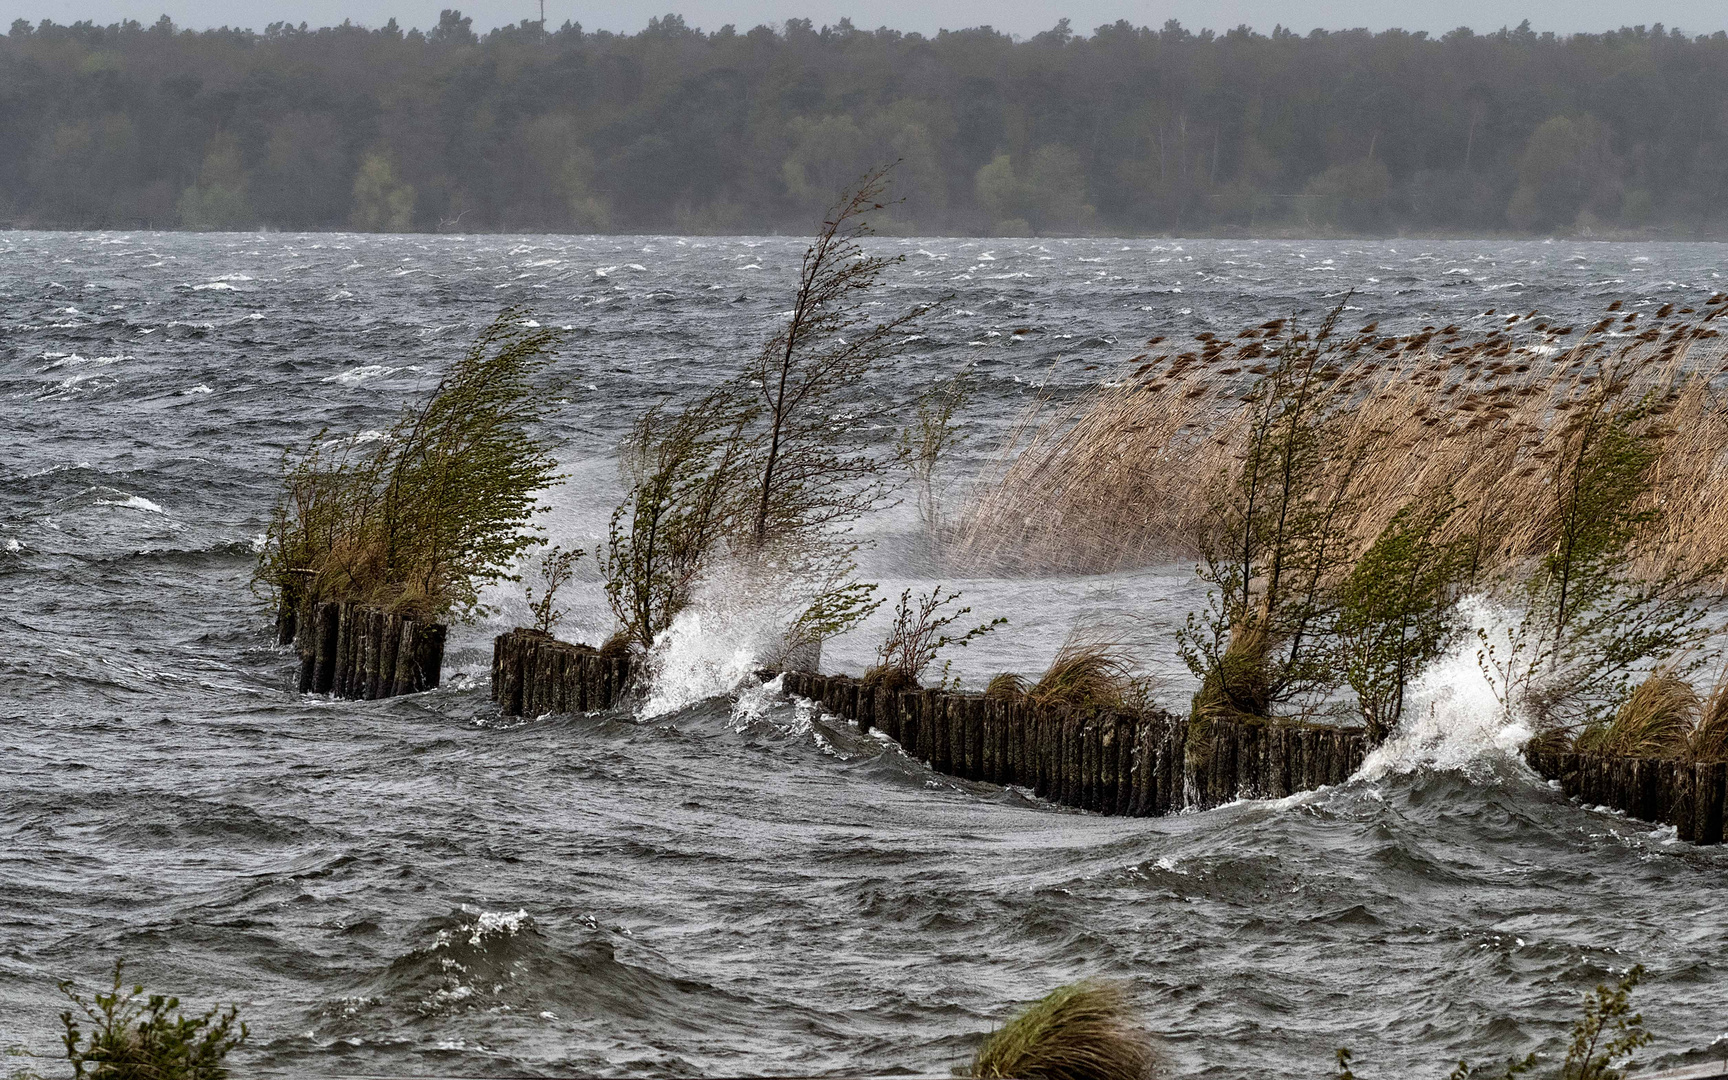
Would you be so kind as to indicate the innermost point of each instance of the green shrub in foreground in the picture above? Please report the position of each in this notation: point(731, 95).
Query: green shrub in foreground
point(136, 1038)
point(1604, 1037)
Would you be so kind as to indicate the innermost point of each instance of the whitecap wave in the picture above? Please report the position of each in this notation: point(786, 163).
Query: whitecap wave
point(134, 502)
point(354, 376)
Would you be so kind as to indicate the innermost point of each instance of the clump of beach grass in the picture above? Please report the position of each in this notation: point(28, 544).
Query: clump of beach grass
point(1006, 686)
point(1091, 672)
point(1656, 720)
point(1084, 675)
point(1709, 740)
point(1083, 1031)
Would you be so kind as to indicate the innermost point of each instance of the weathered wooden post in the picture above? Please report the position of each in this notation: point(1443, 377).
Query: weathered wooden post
point(1710, 793)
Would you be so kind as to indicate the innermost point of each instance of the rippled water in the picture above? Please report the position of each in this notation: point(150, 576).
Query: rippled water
point(416, 886)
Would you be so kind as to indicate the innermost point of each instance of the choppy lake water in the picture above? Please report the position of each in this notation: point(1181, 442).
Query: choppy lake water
point(417, 886)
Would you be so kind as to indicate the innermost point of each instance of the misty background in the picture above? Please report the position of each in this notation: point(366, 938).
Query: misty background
point(1022, 17)
point(1121, 129)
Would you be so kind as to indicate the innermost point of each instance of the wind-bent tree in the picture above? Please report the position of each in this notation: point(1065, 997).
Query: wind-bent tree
point(420, 520)
point(814, 468)
point(1276, 547)
point(685, 475)
point(770, 469)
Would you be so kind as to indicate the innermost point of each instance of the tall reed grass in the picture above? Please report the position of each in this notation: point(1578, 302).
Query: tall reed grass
point(1129, 475)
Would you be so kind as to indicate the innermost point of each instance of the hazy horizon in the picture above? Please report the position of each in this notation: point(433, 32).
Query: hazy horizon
point(1022, 17)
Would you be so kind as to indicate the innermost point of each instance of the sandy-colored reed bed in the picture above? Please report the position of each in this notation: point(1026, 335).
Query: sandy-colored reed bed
point(1132, 475)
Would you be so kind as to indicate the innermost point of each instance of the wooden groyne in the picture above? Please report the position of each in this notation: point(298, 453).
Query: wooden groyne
point(1111, 763)
point(1140, 765)
point(354, 651)
point(535, 673)
point(1688, 795)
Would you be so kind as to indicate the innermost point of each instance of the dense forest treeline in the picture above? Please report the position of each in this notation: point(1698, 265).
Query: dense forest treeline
point(1130, 130)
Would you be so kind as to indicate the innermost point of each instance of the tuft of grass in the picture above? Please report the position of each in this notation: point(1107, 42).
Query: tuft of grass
point(1239, 685)
point(1084, 1031)
point(1710, 736)
point(1657, 720)
point(1087, 675)
point(1006, 687)
point(890, 677)
point(620, 644)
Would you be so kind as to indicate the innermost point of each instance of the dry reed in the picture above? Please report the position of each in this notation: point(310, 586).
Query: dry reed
point(1657, 720)
point(1129, 476)
point(1709, 741)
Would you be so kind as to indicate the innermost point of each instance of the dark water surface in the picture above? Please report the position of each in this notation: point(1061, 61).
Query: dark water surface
point(417, 886)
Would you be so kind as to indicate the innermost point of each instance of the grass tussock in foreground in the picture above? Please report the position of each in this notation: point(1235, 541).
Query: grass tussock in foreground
point(1085, 1031)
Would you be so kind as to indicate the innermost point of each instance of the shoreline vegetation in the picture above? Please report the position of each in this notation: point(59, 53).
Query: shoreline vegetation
point(1346, 495)
point(1088, 1030)
point(1354, 501)
point(1114, 130)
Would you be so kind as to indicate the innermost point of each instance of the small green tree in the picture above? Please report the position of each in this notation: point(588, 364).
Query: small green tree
point(921, 631)
point(1396, 609)
point(927, 441)
point(685, 474)
point(129, 1039)
point(1593, 616)
point(770, 470)
point(811, 463)
point(1277, 546)
point(1607, 1032)
point(422, 518)
point(557, 568)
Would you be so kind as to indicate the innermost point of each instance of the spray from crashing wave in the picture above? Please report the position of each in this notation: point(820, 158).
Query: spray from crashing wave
point(738, 620)
point(1457, 719)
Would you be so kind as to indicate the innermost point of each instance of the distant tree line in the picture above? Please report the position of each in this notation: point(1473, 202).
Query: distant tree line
point(1130, 130)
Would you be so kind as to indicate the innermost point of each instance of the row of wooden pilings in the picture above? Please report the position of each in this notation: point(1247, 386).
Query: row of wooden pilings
point(534, 673)
point(359, 652)
point(1688, 795)
point(1111, 763)
point(1140, 765)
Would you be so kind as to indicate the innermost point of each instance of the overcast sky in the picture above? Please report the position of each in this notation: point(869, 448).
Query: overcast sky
point(1016, 16)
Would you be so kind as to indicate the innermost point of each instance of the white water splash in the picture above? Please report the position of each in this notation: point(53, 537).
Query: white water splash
point(735, 623)
point(1453, 719)
point(755, 699)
